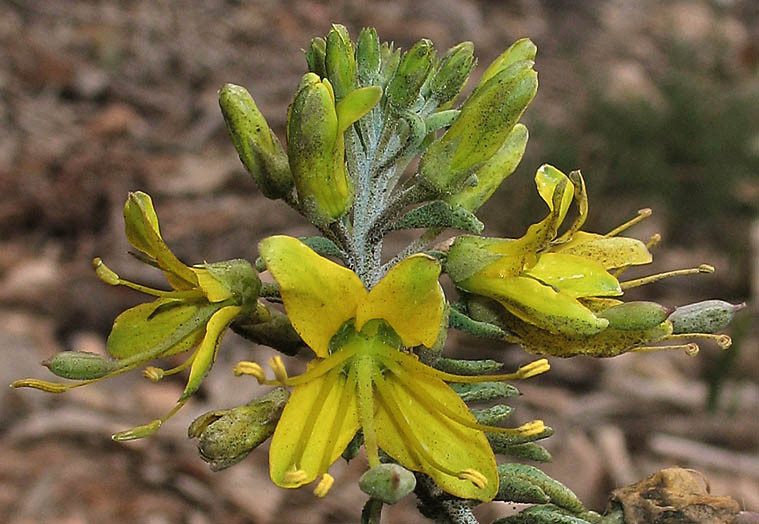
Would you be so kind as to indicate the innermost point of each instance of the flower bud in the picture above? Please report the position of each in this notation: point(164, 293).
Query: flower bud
point(486, 119)
point(226, 437)
point(413, 70)
point(452, 73)
point(80, 365)
point(490, 176)
point(368, 58)
point(707, 316)
point(316, 56)
point(316, 145)
point(237, 276)
point(276, 332)
point(340, 61)
point(258, 147)
point(387, 482)
point(523, 49)
point(389, 58)
point(636, 315)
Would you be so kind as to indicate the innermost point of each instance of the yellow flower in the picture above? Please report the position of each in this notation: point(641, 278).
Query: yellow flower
point(361, 378)
point(542, 277)
point(202, 303)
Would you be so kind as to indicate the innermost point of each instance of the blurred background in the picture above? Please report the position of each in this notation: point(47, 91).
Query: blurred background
point(656, 101)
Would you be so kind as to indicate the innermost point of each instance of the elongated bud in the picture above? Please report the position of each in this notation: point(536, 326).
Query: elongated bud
point(277, 332)
point(452, 73)
point(523, 49)
point(226, 437)
point(637, 315)
point(340, 61)
point(486, 119)
point(707, 316)
point(258, 147)
point(497, 169)
point(387, 482)
point(413, 70)
point(316, 56)
point(368, 58)
point(80, 365)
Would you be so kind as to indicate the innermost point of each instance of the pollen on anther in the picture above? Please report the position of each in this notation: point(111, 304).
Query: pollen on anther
point(475, 477)
point(295, 477)
point(279, 369)
point(325, 484)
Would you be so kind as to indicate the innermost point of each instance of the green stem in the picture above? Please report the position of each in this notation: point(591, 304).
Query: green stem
point(372, 512)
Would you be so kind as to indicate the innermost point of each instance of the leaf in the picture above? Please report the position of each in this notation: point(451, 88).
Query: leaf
point(439, 214)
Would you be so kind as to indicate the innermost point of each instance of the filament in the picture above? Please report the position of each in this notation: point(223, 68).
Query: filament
point(629, 284)
point(642, 214)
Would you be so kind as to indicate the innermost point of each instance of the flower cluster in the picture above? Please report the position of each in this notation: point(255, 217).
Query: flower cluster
point(376, 327)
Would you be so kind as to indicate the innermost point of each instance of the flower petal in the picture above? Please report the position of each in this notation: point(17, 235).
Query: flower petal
point(410, 299)
point(319, 295)
point(209, 347)
point(302, 437)
point(159, 328)
point(434, 440)
point(610, 252)
point(214, 289)
point(574, 276)
point(141, 225)
point(540, 305)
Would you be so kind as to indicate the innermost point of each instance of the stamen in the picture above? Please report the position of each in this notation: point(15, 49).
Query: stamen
point(691, 349)
point(324, 485)
point(42, 385)
point(155, 374)
point(247, 367)
point(279, 369)
point(111, 278)
point(703, 268)
point(322, 366)
point(534, 368)
point(642, 214)
point(434, 405)
point(723, 341)
point(475, 477)
point(296, 477)
point(149, 428)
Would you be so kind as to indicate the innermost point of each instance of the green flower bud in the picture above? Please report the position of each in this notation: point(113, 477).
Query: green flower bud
point(277, 332)
point(387, 482)
point(490, 176)
point(486, 119)
point(258, 147)
point(368, 59)
point(523, 49)
point(80, 365)
point(707, 316)
point(636, 315)
point(316, 56)
point(316, 145)
point(226, 437)
point(484, 391)
point(452, 73)
point(340, 61)
point(412, 73)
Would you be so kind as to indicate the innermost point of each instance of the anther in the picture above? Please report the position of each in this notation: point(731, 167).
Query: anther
point(475, 477)
point(295, 477)
point(531, 428)
point(724, 341)
point(246, 367)
point(534, 368)
point(279, 369)
point(324, 485)
point(153, 373)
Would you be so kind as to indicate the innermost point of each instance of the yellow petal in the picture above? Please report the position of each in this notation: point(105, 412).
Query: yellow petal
point(214, 289)
point(302, 438)
point(539, 304)
point(555, 189)
point(319, 295)
point(431, 442)
point(574, 276)
point(611, 252)
point(141, 225)
point(209, 347)
point(410, 299)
